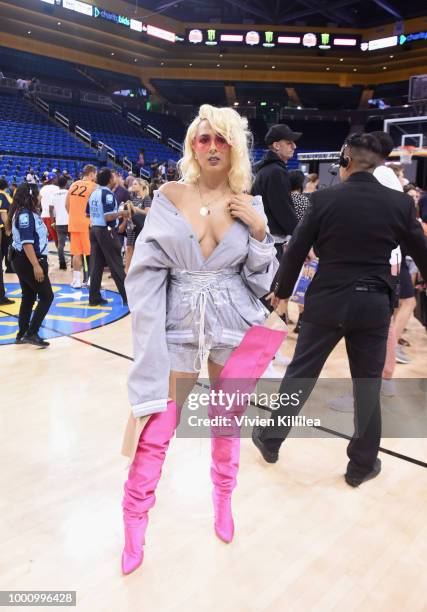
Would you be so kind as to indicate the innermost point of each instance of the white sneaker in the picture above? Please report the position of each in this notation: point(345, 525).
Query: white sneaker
point(76, 284)
point(401, 356)
point(388, 387)
point(344, 403)
point(281, 360)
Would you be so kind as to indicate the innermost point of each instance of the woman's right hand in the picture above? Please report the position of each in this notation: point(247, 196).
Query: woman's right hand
point(38, 273)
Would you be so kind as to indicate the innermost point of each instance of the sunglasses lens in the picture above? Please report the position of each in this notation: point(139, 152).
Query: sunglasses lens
point(204, 143)
point(221, 143)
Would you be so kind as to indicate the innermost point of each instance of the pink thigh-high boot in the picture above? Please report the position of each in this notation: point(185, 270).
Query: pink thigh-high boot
point(224, 468)
point(144, 474)
point(240, 374)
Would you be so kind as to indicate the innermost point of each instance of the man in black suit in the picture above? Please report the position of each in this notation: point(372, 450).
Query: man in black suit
point(353, 226)
point(273, 184)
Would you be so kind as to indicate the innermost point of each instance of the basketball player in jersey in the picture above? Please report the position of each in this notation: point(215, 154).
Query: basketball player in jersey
point(78, 223)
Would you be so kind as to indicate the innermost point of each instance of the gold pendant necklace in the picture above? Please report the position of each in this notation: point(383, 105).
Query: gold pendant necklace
point(205, 210)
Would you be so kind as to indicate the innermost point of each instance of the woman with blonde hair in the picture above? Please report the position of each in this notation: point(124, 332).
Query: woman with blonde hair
point(202, 262)
point(139, 206)
point(312, 183)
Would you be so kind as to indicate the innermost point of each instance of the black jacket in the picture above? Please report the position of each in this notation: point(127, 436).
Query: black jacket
point(272, 183)
point(354, 226)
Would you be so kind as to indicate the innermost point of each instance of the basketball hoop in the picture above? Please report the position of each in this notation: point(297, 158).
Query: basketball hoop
point(406, 154)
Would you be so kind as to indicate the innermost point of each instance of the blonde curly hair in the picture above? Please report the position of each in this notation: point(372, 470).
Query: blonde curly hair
point(230, 125)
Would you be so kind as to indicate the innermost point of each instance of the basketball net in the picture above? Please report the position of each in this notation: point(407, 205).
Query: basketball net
point(406, 154)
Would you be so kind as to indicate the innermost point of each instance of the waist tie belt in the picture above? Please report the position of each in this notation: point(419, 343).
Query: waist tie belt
point(200, 285)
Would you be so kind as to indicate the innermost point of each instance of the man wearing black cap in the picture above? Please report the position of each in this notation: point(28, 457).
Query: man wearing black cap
point(354, 226)
point(272, 183)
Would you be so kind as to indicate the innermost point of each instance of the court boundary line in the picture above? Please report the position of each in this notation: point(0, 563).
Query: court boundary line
point(82, 331)
point(337, 434)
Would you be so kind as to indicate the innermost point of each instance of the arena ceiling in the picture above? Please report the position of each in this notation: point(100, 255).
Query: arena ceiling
point(170, 70)
point(344, 13)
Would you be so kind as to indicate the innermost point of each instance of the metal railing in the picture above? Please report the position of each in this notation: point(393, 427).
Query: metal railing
point(116, 107)
point(81, 133)
point(94, 98)
point(62, 119)
point(8, 83)
point(143, 173)
point(153, 131)
point(42, 104)
point(321, 155)
point(110, 151)
point(175, 145)
point(134, 119)
point(127, 164)
point(55, 92)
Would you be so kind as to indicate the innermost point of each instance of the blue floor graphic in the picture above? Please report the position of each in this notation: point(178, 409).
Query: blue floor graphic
point(70, 312)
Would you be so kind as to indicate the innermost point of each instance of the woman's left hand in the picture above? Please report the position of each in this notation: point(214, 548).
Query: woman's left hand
point(240, 207)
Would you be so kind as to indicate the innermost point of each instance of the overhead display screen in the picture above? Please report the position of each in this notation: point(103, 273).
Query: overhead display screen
point(270, 38)
point(212, 37)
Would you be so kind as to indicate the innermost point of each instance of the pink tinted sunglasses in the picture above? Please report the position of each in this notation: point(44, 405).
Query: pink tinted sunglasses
point(204, 142)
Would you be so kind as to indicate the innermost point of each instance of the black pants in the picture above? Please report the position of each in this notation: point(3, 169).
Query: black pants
point(2, 240)
point(32, 291)
point(105, 251)
point(62, 232)
point(6, 241)
point(365, 331)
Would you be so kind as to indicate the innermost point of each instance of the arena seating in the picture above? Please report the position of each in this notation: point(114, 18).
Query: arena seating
point(168, 125)
point(115, 131)
point(15, 169)
point(24, 130)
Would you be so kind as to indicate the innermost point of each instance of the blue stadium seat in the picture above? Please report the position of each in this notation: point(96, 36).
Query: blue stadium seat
point(125, 138)
point(25, 130)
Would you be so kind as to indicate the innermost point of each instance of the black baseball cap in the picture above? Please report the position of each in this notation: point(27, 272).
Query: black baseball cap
point(281, 131)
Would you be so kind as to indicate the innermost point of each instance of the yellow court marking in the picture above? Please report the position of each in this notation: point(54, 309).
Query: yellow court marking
point(94, 317)
point(8, 336)
point(82, 303)
point(12, 309)
point(14, 292)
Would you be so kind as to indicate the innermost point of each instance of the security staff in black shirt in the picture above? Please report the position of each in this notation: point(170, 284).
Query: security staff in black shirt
point(105, 246)
point(272, 183)
point(5, 202)
point(29, 259)
point(354, 226)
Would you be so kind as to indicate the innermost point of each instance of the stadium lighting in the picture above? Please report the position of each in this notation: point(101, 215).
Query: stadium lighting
point(382, 43)
point(78, 7)
point(289, 40)
point(136, 25)
point(160, 33)
point(231, 38)
point(345, 42)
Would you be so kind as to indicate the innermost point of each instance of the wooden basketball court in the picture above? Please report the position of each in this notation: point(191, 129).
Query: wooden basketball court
point(304, 539)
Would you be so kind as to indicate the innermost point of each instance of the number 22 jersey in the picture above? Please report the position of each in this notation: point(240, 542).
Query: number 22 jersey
point(79, 196)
